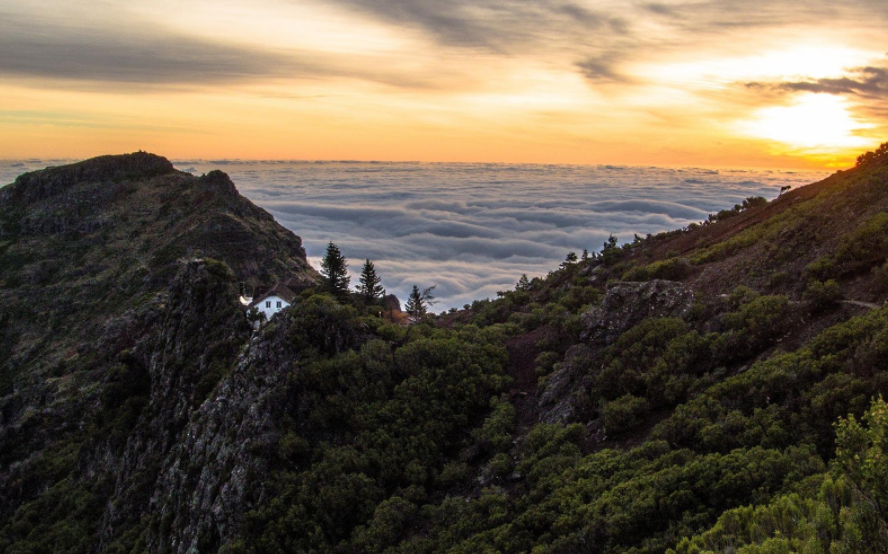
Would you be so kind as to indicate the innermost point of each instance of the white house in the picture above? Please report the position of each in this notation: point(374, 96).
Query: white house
point(274, 300)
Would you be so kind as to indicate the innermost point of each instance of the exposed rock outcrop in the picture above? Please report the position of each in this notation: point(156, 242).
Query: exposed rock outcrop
point(625, 304)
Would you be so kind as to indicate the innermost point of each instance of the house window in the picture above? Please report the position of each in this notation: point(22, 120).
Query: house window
point(279, 304)
point(268, 304)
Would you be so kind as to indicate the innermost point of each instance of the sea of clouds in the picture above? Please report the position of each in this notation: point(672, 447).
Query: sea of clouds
point(473, 229)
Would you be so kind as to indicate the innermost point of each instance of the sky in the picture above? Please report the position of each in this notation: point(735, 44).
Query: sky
point(714, 83)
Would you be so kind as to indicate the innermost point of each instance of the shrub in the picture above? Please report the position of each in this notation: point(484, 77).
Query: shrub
point(868, 243)
point(673, 269)
point(624, 413)
point(823, 295)
point(821, 268)
point(881, 275)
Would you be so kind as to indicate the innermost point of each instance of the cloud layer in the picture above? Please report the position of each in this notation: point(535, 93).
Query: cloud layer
point(473, 229)
point(113, 41)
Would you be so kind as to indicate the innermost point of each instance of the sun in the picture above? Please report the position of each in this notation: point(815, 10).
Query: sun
point(814, 123)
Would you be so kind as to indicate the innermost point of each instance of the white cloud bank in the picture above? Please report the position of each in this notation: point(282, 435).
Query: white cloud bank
point(473, 229)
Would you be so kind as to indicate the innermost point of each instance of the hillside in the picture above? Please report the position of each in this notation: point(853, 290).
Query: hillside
point(701, 390)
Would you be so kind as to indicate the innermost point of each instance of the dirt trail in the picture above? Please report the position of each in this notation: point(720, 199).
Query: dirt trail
point(869, 305)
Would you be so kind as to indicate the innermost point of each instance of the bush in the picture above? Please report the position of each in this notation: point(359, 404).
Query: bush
point(823, 295)
point(866, 244)
point(624, 414)
point(673, 269)
point(821, 268)
point(881, 275)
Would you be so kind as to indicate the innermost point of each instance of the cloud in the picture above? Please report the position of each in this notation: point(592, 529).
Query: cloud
point(871, 82)
point(108, 42)
point(474, 232)
point(494, 25)
point(602, 68)
point(145, 55)
point(866, 87)
point(135, 54)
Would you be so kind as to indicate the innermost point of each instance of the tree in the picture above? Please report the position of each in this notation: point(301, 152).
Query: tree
point(523, 283)
point(585, 256)
point(335, 270)
point(418, 302)
point(570, 259)
point(370, 288)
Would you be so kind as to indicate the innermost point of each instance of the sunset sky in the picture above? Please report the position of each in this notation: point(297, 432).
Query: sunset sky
point(780, 84)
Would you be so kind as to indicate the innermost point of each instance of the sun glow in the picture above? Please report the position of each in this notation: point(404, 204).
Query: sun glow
point(814, 122)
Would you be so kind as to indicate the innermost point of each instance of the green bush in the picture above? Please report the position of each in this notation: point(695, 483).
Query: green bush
point(823, 295)
point(866, 244)
point(820, 269)
point(624, 414)
point(881, 275)
point(673, 269)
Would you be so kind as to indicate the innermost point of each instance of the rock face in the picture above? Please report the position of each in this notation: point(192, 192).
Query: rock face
point(193, 340)
point(128, 376)
point(625, 305)
point(214, 475)
point(194, 461)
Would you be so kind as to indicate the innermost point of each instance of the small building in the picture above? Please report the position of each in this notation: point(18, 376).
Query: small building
point(271, 302)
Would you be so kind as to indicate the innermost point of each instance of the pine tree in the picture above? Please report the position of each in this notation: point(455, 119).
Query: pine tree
point(335, 270)
point(414, 305)
point(523, 282)
point(370, 288)
point(570, 259)
point(418, 302)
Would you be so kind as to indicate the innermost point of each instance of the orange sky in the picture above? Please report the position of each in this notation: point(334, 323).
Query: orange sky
point(678, 83)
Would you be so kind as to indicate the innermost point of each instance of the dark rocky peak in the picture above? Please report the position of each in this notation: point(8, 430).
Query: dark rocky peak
point(39, 185)
point(218, 181)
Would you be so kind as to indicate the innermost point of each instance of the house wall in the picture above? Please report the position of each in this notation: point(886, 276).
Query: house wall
point(272, 305)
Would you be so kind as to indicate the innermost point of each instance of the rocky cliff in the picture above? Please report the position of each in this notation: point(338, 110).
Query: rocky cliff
point(122, 339)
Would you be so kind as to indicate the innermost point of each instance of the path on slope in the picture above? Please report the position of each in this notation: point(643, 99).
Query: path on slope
point(869, 305)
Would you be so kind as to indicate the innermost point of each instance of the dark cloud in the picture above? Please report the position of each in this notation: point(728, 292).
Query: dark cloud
point(143, 55)
point(134, 53)
point(496, 25)
point(865, 81)
point(868, 86)
point(602, 68)
point(660, 9)
point(108, 44)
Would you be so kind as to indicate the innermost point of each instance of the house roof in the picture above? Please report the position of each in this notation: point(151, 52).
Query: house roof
point(280, 290)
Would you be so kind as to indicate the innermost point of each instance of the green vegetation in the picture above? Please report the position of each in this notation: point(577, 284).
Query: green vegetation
point(551, 419)
point(379, 458)
point(418, 302)
point(374, 429)
point(334, 268)
point(370, 289)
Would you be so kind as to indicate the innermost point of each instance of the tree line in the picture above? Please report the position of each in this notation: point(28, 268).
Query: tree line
point(334, 269)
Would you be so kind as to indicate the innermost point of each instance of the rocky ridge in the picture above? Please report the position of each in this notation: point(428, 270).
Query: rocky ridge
point(102, 386)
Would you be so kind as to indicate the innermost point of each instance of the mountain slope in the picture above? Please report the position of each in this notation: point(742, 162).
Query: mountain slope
point(677, 393)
